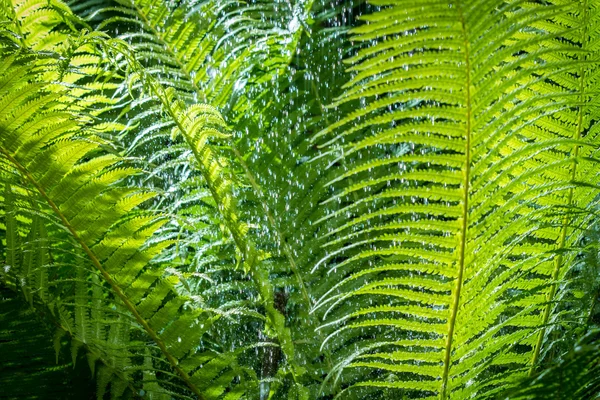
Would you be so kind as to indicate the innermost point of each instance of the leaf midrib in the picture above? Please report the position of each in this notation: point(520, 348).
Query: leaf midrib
point(465, 213)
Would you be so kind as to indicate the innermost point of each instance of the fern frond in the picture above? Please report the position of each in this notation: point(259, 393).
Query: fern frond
point(410, 239)
point(199, 124)
point(95, 209)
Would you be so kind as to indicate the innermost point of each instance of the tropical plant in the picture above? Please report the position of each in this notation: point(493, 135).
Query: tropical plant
point(299, 199)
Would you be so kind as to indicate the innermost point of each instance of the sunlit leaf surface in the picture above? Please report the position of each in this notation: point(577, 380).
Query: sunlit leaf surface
point(299, 199)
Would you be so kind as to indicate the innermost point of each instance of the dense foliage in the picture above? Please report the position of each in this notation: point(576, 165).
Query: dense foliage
point(299, 199)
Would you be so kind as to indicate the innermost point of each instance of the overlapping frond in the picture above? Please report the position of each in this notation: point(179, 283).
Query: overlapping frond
point(578, 122)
